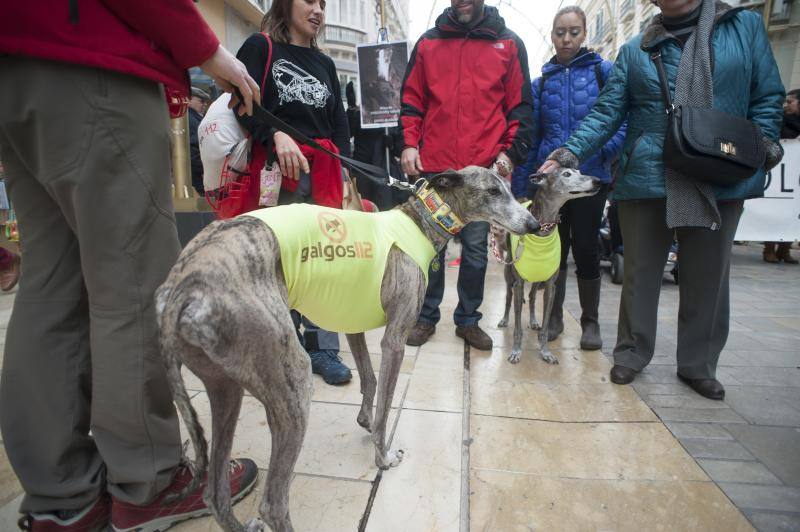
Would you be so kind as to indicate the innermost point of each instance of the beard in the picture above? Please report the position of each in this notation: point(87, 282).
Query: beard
point(477, 12)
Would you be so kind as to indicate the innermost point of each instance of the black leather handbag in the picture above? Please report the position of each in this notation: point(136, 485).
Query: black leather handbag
point(707, 144)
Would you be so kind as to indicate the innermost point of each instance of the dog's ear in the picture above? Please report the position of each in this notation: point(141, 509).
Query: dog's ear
point(538, 179)
point(447, 179)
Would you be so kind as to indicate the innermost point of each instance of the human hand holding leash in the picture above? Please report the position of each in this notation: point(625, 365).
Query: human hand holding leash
point(290, 158)
point(411, 161)
point(230, 73)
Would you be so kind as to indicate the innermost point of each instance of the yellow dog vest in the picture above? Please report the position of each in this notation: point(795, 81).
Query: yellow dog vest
point(541, 256)
point(334, 260)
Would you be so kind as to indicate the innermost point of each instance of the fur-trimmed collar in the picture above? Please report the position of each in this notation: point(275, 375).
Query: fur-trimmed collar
point(655, 33)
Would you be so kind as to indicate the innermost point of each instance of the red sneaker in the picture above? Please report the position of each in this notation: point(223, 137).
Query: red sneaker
point(159, 517)
point(10, 276)
point(93, 518)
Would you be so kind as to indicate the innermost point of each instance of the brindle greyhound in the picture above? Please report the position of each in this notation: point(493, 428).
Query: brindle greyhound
point(223, 312)
point(555, 189)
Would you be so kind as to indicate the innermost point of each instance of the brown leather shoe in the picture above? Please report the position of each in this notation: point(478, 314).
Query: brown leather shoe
point(710, 388)
point(475, 337)
point(420, 333)
point(769, 253)
point(10, 276)
point(784, 254)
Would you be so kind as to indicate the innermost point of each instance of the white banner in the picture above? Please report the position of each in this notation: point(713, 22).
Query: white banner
point(776, 216)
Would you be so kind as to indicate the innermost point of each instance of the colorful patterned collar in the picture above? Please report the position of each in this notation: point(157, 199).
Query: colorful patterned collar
point(436, 211)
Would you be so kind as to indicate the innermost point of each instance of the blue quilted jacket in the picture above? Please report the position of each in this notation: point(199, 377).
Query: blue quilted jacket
point(746, 84)
point(567, 97)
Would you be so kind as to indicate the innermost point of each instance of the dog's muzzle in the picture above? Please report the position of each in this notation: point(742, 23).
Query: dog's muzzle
point(532, 225)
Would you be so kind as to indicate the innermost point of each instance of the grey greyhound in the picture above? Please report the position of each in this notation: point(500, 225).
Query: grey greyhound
point(554, 189)
point(224, 312)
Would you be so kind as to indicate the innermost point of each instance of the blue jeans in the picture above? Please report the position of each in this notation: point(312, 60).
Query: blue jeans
point(471, 276)
point(313, 338)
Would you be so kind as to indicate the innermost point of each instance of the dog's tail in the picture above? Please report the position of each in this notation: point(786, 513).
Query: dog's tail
point(169, 313)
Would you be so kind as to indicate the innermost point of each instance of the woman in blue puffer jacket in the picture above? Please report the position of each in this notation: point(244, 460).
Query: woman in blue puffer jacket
point(562, 97)
point(736, 73)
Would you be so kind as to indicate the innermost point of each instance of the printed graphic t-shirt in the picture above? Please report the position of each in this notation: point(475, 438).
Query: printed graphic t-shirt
point(302, 89)
point(333, 261)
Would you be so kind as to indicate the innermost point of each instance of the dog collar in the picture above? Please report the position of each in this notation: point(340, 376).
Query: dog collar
point(437, 212)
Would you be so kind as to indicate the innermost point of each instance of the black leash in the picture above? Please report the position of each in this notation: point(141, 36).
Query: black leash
point(375, 174)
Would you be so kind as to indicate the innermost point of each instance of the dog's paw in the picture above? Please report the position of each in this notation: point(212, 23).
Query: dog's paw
point(535, 325)
point(255, 525)
point(365, 420)
point(502, 323)
point(515, 356)
point(549, 357)
point(392, 459)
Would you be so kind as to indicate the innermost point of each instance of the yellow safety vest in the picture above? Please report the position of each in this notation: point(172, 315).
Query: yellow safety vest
point(541, 256)
point(334, 260)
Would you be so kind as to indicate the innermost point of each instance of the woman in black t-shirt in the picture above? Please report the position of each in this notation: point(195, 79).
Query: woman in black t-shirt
point(300, 86)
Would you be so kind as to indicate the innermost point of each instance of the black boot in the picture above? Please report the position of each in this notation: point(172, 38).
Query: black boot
point(556, 324)
point(589, 295)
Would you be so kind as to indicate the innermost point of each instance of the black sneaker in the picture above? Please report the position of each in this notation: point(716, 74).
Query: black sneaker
point(328, 364)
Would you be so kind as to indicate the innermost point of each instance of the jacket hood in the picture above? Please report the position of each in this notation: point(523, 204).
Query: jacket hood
point(655, 33)
point(490, 26)
point(584, 57)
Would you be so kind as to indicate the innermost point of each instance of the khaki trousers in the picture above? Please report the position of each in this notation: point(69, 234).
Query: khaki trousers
point(84, 401)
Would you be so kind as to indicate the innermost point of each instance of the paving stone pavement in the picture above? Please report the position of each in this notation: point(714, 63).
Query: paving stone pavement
point(492, 446)
point(750, 443)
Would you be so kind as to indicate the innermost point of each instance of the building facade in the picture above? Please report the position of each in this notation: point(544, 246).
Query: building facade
point(348, 23)
point(611, 23)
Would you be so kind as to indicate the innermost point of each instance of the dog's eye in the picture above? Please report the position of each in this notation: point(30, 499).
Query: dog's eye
point(494, 191)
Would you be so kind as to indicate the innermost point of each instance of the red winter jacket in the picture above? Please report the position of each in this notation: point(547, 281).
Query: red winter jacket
point(466, 94)
point(152, 39)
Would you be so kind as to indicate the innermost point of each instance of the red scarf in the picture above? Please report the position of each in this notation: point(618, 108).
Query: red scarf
point(326, 175)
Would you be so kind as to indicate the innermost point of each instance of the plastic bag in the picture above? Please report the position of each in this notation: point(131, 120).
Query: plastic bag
point(221, 140)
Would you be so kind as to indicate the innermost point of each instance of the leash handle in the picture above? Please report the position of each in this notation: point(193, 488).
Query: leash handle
point(371, 172)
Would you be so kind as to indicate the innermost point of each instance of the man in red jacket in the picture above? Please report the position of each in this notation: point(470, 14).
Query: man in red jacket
point(85, 409)
point(466, 101)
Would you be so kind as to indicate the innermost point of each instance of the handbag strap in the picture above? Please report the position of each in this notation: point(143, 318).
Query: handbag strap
point(662, 81)
point(269, 61)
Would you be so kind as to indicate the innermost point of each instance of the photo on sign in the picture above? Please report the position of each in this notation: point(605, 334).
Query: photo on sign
point(381, 68)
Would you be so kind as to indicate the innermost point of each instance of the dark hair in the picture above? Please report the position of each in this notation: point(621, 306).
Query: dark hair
point(571, 9)
point(276, 22)
point(794, 93)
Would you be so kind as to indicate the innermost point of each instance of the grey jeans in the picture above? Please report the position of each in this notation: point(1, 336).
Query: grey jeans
point(704, 310)
point(84, 401)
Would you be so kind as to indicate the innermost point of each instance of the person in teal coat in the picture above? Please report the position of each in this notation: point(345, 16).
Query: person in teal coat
point(744, 82)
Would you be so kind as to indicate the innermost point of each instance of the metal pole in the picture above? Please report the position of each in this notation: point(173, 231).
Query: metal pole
point(383, 35)
point(767, 12)
point(181, 169)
